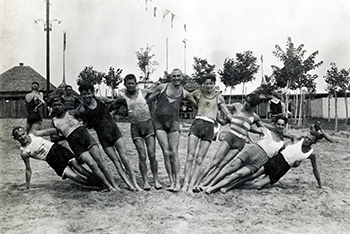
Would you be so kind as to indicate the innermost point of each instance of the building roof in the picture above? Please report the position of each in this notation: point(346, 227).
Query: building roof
point(20, 78)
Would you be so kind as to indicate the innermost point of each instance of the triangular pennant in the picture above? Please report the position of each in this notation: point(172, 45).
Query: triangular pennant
point(172, 19)
point(166, 12)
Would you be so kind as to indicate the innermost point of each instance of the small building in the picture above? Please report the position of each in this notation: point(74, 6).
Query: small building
point(15, 83)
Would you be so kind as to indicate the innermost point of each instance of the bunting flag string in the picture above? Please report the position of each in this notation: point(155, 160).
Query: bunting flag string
point(157, 7)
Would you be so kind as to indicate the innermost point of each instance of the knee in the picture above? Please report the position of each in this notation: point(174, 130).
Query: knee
point(142, 157)
point(190, 157)
point(199, 160)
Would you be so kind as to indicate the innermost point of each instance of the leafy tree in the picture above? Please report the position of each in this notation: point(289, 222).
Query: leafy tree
point(239, 70)
point(90, 76)
point(294, 73)
point(201, 69)
point(336, 81)
point(145, 62)
point(113, 78)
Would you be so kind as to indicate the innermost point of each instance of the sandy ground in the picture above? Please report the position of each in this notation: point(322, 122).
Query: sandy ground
point(293, 205)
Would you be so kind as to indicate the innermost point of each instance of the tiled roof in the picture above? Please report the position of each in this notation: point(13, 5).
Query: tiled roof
point(20, 78)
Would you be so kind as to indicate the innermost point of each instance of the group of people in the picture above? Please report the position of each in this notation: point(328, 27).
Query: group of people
point(234, 163)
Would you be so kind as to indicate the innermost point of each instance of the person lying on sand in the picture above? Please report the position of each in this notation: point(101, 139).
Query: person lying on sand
point(279, 165)
point(60, 159)
point(317, 130)
point(81, 142)
point(252, 157)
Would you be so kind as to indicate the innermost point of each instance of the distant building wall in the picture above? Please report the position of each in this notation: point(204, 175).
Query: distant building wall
point(319, 108)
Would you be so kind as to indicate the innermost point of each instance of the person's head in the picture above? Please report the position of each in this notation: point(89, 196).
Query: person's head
point(69, 90)
point(130, 83)
point(176, 76)
point(35, 85)
point(209, 82)
point(87, 92)
point(275, 95)
point(20, 135)
point(280, 123)
point(309, 140)
point(57, 105)
point(251, 101)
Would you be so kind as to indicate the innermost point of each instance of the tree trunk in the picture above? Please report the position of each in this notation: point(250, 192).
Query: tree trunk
point(329, 107)
point(336, 111)
point(230, 95)
point(287, 97)
point(243, 91)
point(346, 106)
point(300, 108)
point(296, 106)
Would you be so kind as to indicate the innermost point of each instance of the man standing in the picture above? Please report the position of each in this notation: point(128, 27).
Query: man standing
point(141, 127)
point(71, 101)
point(202, 129)
point(33, 101)
point(167, 124)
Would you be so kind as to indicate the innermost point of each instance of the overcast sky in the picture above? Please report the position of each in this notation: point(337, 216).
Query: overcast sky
point(105, 33)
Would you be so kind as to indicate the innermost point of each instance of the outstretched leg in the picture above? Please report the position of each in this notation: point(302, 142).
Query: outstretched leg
point(202, 151)
point(110, 151)
point(174, 140)
point(96, 154)
point(228, 169)
point(140, 147)
point(191, 153)
point(230, 180)
point(227, 158)
point(220, 154)
point(88, 159)
point(71, 174)
point(121, 148)
point(162, 137)
point(151, 151)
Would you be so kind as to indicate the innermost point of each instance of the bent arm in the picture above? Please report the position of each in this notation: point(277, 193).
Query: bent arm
point(40, 98)
point(154, 95)
point(120, 101)
point(28, 172)
point(312, 157)
point(46, 132)
point(224, 108)
point(191, 99)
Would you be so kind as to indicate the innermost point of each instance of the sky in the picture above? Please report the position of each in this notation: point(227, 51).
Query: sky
point(104, 33)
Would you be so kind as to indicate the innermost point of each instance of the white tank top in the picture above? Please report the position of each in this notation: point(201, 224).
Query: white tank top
point(138, 110)
point(293, 153)
point(268, 144)
point(67, 124)
point(38, 148)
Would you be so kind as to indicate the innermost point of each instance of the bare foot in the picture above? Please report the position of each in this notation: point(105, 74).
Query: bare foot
point(177, 188)
point(131, 188)
point(146, 187)
point(196, 189)
point(184, 188)
point(223, 190)
point(170, 188)
point(157, 185)
point(208, 191)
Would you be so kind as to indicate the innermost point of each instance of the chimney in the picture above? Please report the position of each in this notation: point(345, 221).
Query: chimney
point(21, 64)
